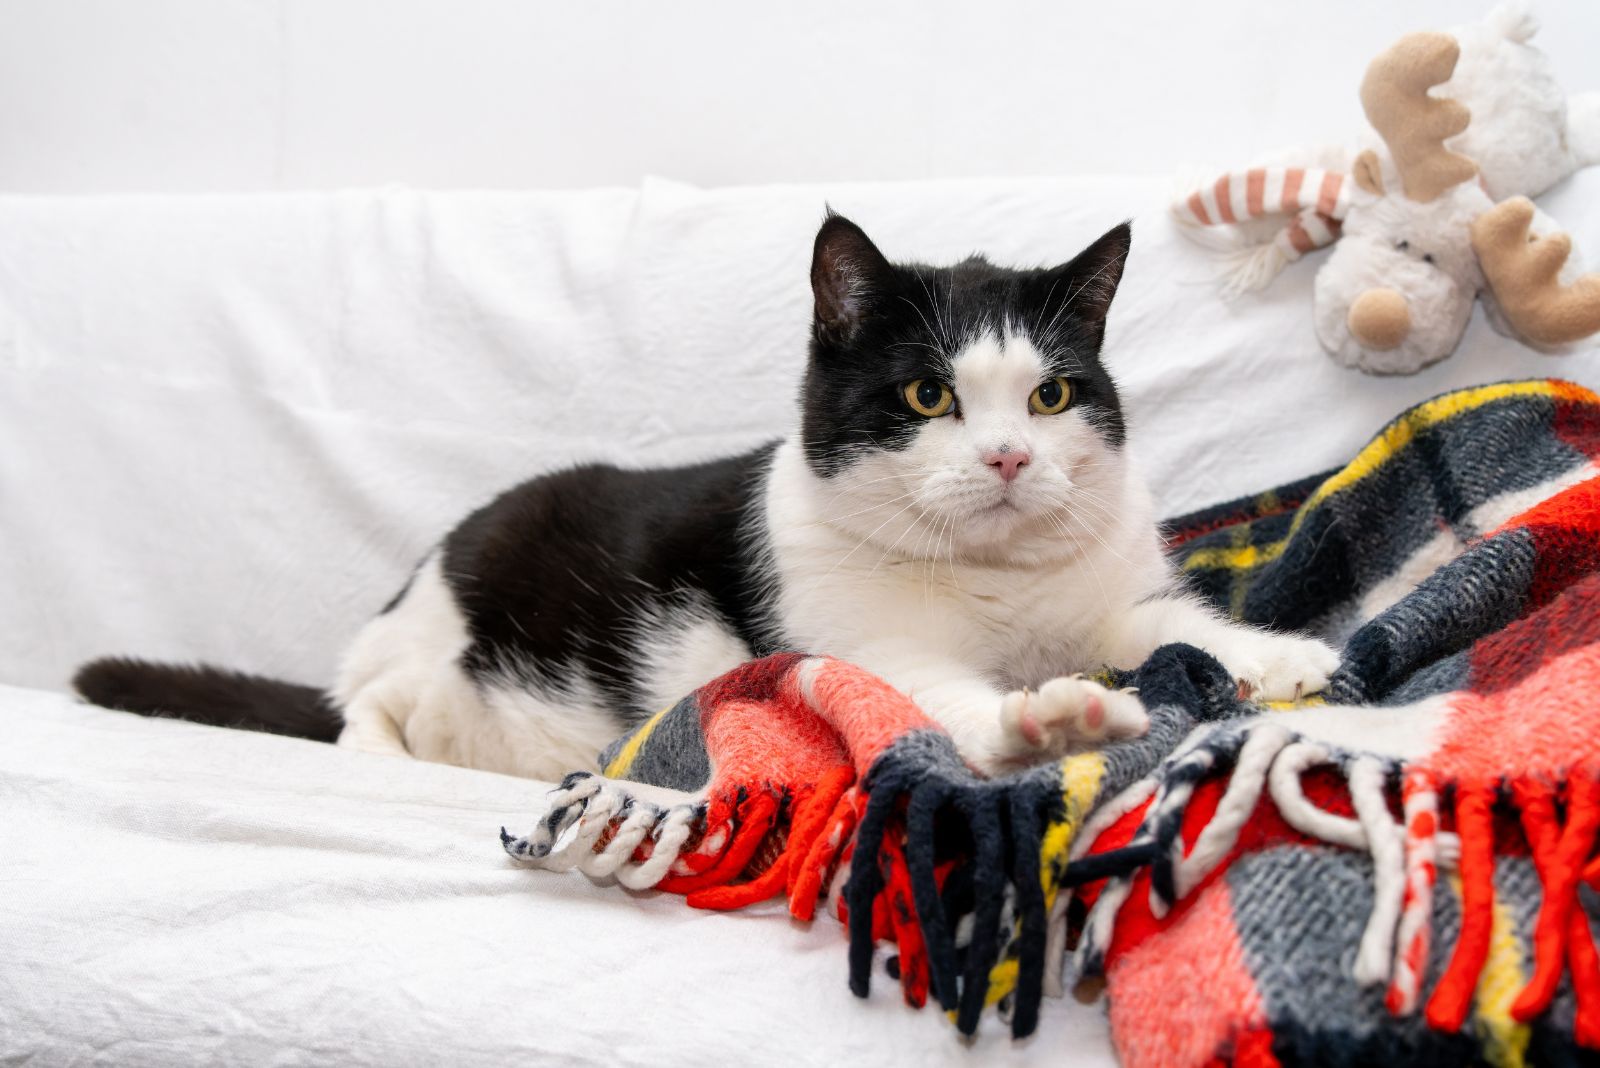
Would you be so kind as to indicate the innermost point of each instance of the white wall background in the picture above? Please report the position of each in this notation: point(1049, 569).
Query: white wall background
point(212, 95)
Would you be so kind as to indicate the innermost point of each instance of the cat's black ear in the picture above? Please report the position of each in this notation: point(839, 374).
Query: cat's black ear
point(848, 277)
point(1087, 284)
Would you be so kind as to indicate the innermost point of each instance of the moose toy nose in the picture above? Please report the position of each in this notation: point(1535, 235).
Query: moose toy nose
point(1006, 461)
point(1380, 319)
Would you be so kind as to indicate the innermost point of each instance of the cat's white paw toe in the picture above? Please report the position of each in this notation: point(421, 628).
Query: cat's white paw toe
point(1301, 667)
point(1069, 711)
point(1280, 667)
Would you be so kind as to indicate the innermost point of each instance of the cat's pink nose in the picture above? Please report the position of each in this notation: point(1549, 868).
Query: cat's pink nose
point(1007, 462)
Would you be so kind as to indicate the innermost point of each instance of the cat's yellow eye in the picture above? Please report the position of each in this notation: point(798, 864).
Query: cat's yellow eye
point(929, 398)
point(1052, 397)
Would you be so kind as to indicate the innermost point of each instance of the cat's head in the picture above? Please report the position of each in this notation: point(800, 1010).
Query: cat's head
point(965, 409)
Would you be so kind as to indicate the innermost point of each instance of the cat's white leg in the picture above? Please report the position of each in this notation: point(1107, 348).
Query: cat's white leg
point(1269, 665)
point(965, 705)
point(369, 728)
point(995, 731)
point(394, 661)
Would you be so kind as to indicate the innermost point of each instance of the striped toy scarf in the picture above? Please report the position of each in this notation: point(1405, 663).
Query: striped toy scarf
point(1400, 869)
point(1312, 201)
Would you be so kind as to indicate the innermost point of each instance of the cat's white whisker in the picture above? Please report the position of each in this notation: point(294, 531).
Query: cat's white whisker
point(829, 521)
point(846, 557)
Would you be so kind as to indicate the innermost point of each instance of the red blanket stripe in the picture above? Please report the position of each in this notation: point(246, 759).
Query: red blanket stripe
point(1577, 418)
point(1566, 535)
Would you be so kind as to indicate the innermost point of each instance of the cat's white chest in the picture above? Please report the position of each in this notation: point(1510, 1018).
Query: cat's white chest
point(1017, 627)
point(1034, 626)
point(895, 592)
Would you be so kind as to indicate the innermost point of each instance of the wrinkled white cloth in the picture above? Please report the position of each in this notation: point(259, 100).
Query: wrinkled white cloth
point(174, 894)
point(230, 425)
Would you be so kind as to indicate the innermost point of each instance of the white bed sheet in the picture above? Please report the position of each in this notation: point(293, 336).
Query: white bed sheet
point(228, 427)
point(176, 894)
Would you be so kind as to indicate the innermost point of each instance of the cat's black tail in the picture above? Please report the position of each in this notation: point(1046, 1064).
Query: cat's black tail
point(210, 695)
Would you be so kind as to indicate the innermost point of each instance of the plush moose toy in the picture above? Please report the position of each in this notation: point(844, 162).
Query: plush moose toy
point(1442, 216)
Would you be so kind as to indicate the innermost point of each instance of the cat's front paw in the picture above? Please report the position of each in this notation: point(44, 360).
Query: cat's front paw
point(1276, 667)
point(1068, 712)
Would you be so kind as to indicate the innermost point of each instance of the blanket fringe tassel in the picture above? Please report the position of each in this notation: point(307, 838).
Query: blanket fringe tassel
point(702, 850)
point(1561, 824)
point(708, 850)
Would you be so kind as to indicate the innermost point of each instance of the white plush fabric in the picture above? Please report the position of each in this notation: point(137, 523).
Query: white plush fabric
point(229, 426)
point(1525, 136)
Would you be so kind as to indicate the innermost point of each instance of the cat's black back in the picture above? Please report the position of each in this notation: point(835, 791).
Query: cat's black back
point(566, 569)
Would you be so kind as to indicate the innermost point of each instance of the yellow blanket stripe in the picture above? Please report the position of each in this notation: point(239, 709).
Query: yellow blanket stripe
point(625, 756)
point(1315, 700)
point(1081, 776)
point(1002, 981)
point(1505, 1040)
point(1395, 437)
point(1080, 785)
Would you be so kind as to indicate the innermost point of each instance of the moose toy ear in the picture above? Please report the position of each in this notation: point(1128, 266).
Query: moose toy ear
point(1368, 173)
point(848, 277)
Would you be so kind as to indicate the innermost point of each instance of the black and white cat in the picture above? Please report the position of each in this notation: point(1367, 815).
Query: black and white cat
point(954, 511)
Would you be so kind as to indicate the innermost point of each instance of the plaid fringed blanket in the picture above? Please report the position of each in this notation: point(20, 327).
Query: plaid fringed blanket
point(1401, 872)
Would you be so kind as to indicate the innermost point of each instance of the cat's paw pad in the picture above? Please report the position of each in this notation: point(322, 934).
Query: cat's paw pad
point(1279, 667)
point(1069, 711)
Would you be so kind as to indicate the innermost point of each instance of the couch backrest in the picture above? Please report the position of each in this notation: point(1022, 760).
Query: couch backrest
point(229, 425)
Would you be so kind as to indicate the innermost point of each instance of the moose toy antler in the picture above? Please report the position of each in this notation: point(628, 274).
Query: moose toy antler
point(1524, 273)
point(1413, 124)
point(1419, 234)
